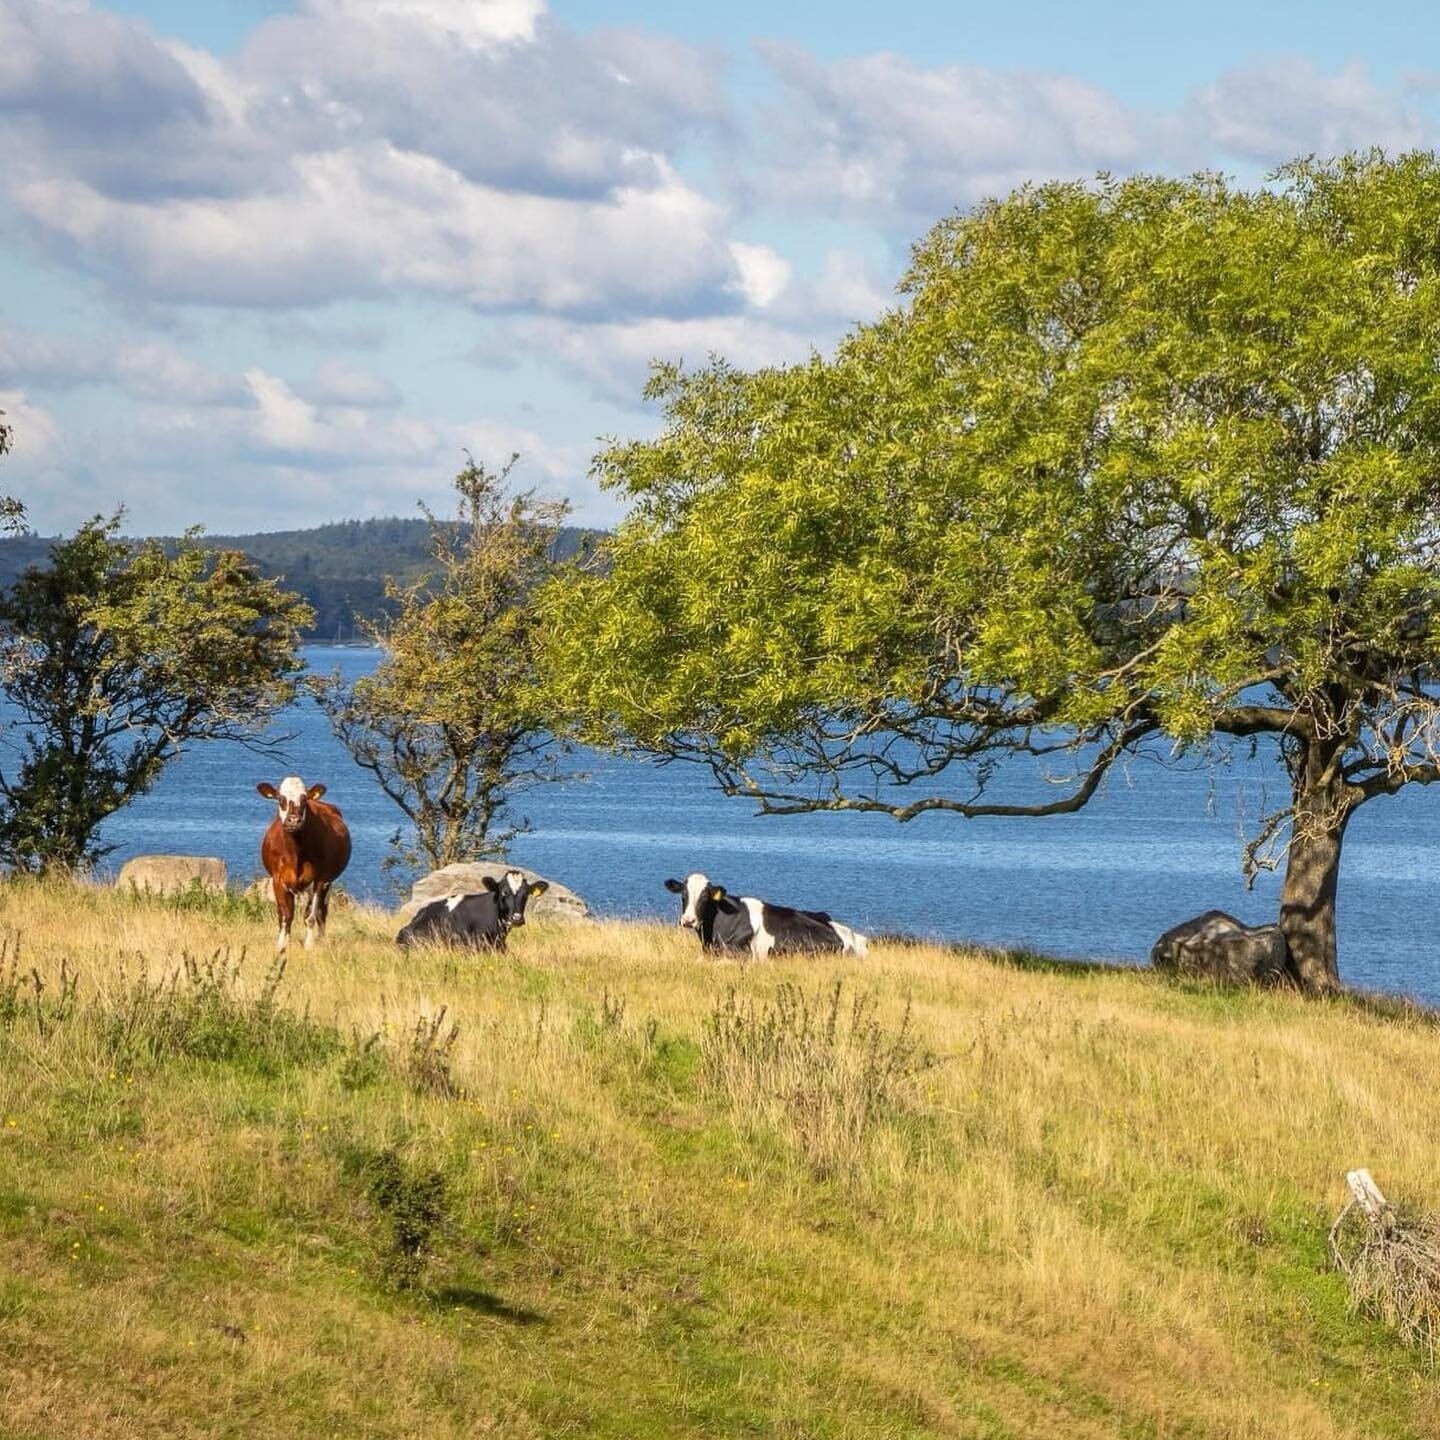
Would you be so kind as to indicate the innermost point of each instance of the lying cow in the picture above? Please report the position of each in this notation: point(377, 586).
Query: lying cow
point(479, 921)
point(740, 922)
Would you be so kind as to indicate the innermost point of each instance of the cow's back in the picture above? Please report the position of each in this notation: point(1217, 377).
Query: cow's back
point(800, 931)
point(474, 921)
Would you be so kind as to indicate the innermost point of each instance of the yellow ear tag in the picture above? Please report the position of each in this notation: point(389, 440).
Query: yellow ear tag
point(717, 894)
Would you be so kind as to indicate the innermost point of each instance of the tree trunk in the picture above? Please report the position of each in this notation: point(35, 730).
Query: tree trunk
point(1312, 873)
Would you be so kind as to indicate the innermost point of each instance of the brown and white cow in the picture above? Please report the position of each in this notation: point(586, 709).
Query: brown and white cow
point(304, 851)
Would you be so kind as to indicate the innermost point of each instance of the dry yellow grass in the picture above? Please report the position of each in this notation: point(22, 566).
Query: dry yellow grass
point(1102, 1211)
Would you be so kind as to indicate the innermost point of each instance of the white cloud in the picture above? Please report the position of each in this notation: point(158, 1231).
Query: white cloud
point(883, 136)
point(35, 434)
point(147, 369)
point(478, 23)
point(885, 139)
point(1273, 112)
point(790, 318)
point(338, 382)
point(472, 149)
point(276, 461)
point(763, 274)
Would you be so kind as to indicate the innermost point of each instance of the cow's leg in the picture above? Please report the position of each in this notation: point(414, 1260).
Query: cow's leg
point(321, 907)
point(285, 911)
point(310, 917)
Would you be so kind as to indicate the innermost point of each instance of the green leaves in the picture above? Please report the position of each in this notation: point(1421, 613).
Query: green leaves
point(1132, 453)
point(116, 659)
point(452, 723)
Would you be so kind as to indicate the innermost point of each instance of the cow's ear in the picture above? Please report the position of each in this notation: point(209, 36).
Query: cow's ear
point(539, 887)
point(488, 881)
point(268, 790)
point(315, 792)
point(678, 886)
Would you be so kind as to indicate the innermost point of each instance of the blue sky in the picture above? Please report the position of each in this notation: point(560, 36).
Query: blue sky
point(266, 265)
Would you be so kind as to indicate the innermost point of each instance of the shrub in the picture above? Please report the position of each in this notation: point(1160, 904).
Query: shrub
point(201, 1009)
point(425, 1061)
point(413, 1202)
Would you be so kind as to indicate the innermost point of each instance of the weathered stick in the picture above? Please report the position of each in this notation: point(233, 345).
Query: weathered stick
point(1369, 1199)
point(1365, 1193)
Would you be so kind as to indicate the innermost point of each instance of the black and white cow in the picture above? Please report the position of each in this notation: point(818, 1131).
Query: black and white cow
point(740, 922)
point(480, 921)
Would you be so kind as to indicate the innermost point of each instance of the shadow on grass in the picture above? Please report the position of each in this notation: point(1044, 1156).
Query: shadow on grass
point(482, 1302)
point(1031, 960)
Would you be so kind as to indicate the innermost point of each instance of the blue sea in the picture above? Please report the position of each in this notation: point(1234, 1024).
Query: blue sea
point(1156, 846)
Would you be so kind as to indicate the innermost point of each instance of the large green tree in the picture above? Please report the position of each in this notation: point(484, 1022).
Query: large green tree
point(1152, 463)
point(450, 723)
point(113, 659)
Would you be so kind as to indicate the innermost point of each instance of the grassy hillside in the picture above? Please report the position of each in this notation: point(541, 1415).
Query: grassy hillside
point(645, 1195)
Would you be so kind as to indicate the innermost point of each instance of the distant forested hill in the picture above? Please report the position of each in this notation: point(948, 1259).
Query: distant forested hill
point(340, 569)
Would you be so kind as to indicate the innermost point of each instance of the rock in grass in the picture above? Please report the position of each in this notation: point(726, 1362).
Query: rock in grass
point(557, 903)
point(171, 874)
point(1216, 946)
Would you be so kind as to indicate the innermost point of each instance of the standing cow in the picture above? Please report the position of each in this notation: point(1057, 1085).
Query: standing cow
point(304, 851)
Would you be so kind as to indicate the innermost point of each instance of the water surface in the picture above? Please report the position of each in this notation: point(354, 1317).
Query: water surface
point(1156, 846)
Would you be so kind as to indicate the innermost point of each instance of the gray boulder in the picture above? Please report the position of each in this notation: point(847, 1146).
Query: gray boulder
point(171, 874)
point(557, 903)
point(1216, 946)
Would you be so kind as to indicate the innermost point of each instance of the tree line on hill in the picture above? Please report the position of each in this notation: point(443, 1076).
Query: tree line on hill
point(339, 570)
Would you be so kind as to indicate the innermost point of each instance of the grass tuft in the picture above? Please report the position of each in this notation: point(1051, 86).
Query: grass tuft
point(825, 1072)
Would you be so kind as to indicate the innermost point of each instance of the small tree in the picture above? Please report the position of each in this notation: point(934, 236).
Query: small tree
point(116, 658)
point(1152, 464)
point(449, 722)
point(12, 512)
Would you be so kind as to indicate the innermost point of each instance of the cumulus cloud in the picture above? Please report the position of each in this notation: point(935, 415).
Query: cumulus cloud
point(337, 382)
point(793, 317)
point(884, 139)
point(275, 458)
point(146, 369)
point(475, 151)
point(35, 434)
point(883, 135)
point(377, 221)
point(1273, 112)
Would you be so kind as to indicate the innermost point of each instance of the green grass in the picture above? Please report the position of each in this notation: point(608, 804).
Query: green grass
point(620, 1191)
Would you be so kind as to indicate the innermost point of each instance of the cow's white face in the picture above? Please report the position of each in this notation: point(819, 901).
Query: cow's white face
point(511, 892)
point(291, 801)
point(695, 886)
